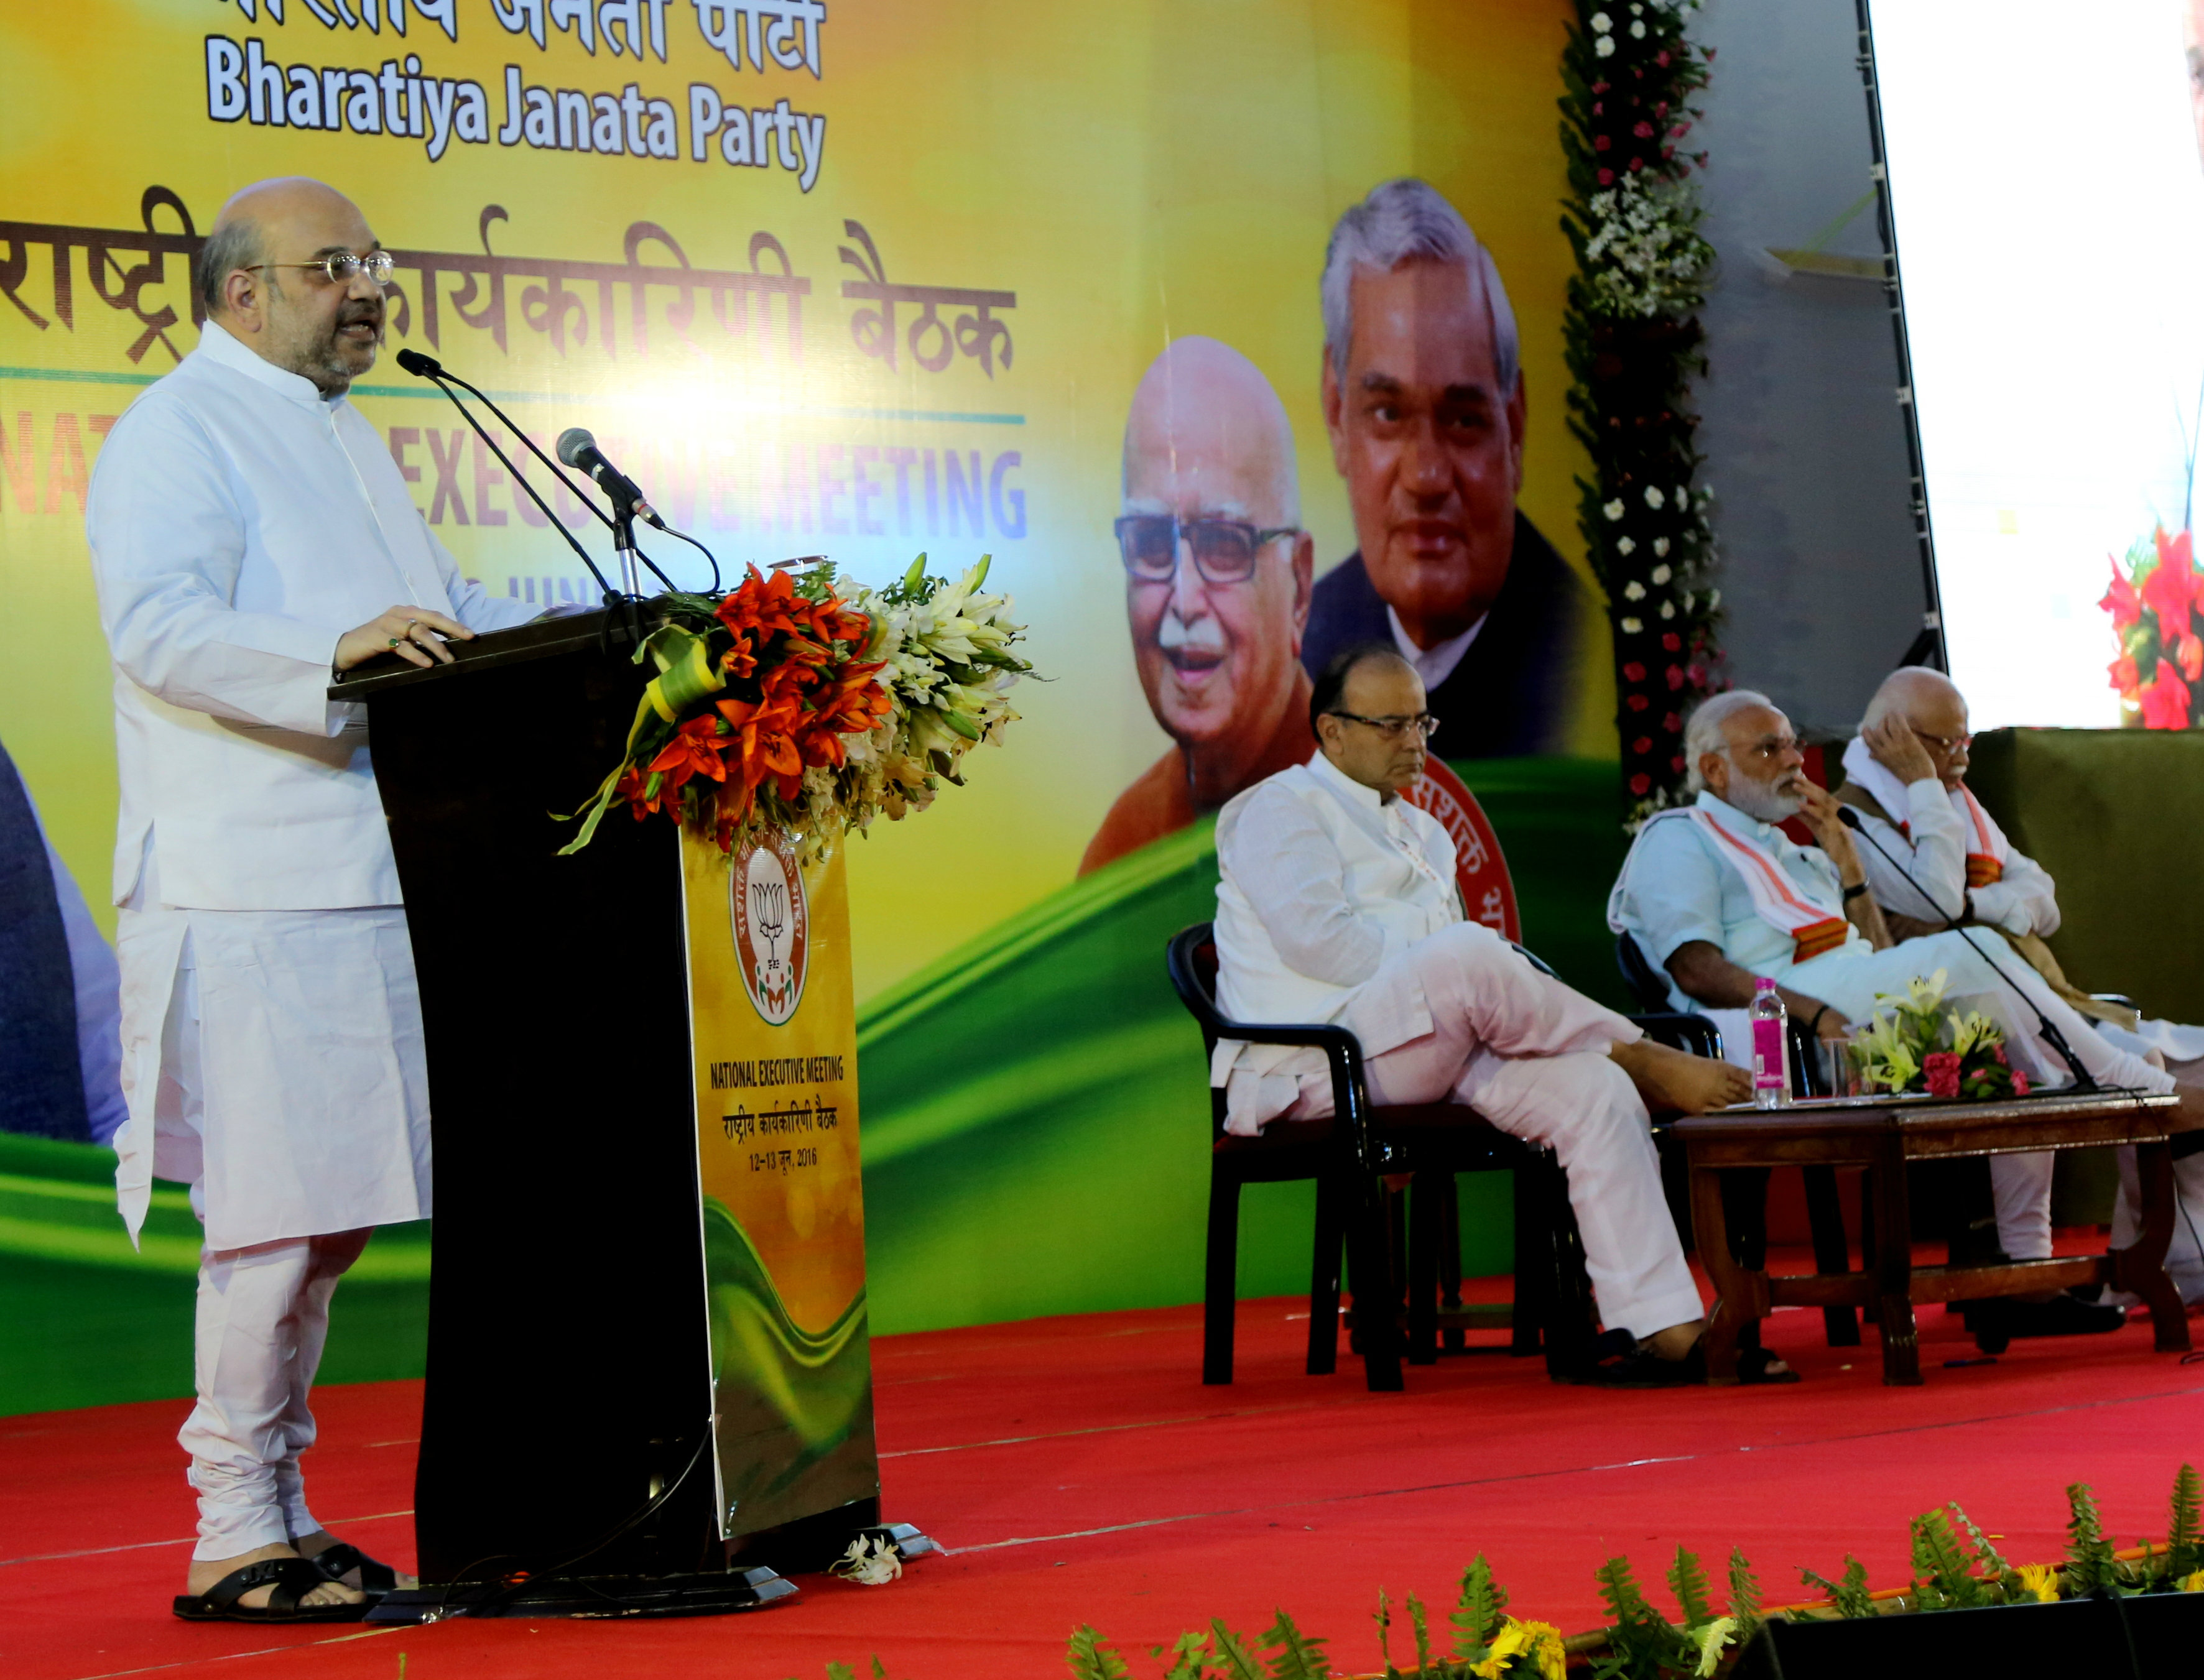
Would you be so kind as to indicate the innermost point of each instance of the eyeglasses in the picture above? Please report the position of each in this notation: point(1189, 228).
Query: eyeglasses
point(1769, 749)
point(340, 266)
point(1224, 550)
point(1393, 729)
point(1945, 743)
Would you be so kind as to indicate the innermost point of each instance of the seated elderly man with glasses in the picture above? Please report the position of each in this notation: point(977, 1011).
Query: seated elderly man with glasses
point(1717, 895)
point(1336, 902)
point(1935, 858)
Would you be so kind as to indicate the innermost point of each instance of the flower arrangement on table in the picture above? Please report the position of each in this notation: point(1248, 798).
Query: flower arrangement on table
point(1917, 1044)
point(2154, 600)
point(801, 701)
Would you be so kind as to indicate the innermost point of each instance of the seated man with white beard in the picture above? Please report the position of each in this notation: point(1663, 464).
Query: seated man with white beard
point(1717, 895)
point(1337, 902)
point(1935, 857)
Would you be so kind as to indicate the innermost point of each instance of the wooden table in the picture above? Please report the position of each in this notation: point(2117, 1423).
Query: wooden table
point(1883, 1136)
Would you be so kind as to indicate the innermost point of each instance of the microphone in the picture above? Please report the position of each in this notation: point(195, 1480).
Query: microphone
point(2052, 1036)
point(429, 368)
point(579, 450)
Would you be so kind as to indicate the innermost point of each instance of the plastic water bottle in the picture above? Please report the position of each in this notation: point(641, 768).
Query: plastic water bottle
point(1770, 1067)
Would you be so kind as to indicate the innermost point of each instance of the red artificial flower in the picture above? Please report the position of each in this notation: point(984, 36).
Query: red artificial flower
point(1675, 673)
point(2188, 654)
point(1640, 785)
point(1643, 130)
point(1676, 764)
point(1634, 672)
point(2121, 601)
point(2166, 700)
point(1671, 723)
point(2171, 587)
point(1672, 642)
point(2125, 677)
point(2020, 1083)
point(1601, 87)
point(1942, 1069)
point(1661, 58)
point(1600, 142)
point(1638, 702)
point(1642, 745)
point(1607, 177)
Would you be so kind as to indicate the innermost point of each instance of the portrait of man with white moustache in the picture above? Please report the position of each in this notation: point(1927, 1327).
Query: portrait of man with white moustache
point(1216, 589)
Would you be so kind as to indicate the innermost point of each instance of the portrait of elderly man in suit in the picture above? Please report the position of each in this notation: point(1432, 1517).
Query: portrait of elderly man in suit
point(1216, 589)
point(1423, 400)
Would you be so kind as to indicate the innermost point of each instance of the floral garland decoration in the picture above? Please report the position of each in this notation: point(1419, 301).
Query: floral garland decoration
point(803, 702)
point(1634, 342)
point(2155, 603)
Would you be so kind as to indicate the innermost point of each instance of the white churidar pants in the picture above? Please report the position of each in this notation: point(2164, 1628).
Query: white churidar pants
point(2021, 1184)
point(1530, 1056)
point(264, 1315)
point(272, 1061)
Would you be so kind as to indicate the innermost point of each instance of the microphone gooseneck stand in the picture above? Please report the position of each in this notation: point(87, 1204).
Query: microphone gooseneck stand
point(2052, 1035)
point(623, 527)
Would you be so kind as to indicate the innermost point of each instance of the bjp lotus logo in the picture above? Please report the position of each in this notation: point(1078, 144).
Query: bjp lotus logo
point(771, 920)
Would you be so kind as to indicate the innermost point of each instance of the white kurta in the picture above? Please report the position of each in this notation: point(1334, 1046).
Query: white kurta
point(1334, 905)
point(1932, 849)
point(239, 523)
point(1321, 885)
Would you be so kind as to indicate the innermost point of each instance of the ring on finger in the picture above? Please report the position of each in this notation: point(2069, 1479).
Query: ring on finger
point(395, 640)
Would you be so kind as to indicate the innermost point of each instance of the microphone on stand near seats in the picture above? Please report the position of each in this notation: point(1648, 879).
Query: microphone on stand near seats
point(2052, 1035)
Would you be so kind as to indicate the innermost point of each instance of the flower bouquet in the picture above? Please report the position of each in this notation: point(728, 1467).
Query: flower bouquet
point(1917, 1044)
point(2154, 601)
point(804, 701)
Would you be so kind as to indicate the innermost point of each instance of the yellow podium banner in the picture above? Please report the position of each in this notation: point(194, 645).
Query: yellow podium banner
point(772, 1030)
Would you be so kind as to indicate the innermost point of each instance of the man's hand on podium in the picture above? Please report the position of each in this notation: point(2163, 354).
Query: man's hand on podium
point(411, 632)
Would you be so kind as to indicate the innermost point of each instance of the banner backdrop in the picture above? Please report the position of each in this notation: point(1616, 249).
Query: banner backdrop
point(865, 279)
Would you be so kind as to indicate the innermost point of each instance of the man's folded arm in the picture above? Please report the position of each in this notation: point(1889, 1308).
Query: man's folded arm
point(1703, 974)
point(1939, 860)
point(167, 545)
point(2025, 902)
point(1289, 870)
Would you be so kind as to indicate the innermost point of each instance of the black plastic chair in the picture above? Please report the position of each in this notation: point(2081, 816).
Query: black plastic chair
point(1348, 1157)
point(1745, 1194)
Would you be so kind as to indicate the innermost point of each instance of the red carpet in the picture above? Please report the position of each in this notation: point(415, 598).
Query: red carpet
point(1081, 1472)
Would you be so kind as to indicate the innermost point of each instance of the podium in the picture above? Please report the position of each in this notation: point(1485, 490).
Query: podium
point(601, 1434)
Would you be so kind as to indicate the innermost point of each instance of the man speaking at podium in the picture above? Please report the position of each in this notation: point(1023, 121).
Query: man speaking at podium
point(248, 534)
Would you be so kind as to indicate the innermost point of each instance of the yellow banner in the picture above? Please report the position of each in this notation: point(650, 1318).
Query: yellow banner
point(772, 1027)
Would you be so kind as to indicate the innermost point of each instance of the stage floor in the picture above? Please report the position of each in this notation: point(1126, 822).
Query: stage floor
point(1079, 1472)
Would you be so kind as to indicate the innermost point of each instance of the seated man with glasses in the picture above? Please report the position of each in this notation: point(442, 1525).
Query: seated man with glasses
point(1935, 857)
point(1718, 895)
point(1336, 902)
point(1216, 589)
